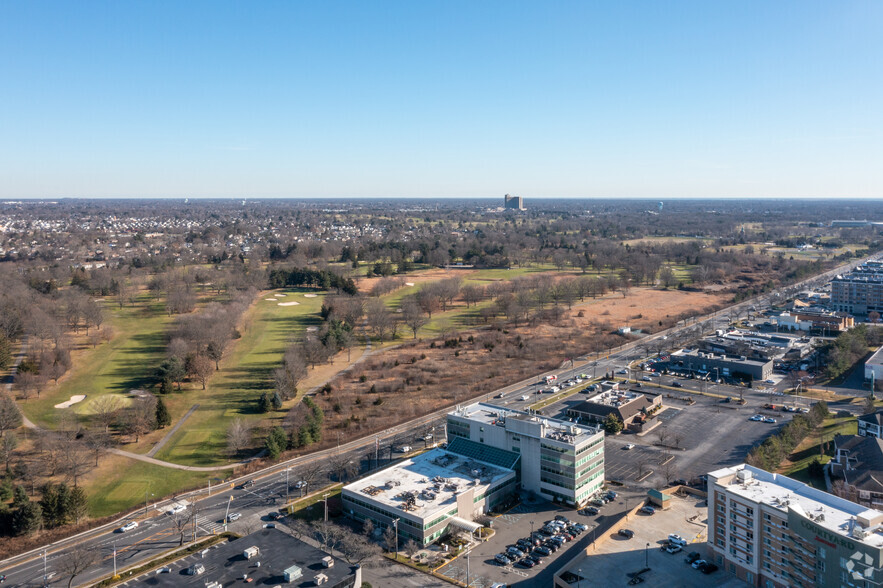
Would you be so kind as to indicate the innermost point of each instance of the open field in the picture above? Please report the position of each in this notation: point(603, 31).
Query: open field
point(419, 376)
point(246, 372)
point(124, 363)
point(119, 483)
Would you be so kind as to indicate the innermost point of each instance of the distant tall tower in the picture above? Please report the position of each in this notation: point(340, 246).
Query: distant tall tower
point(513, 202)
point(660, 207)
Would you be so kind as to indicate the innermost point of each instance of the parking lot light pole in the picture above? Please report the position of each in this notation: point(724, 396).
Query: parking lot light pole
point(579, 582)
point(647, 556)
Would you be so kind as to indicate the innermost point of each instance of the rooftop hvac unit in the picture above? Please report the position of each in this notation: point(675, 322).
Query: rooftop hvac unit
point(251, 552)
point(320, 579)
point(327, 562)
point(743, 476)
point(293, 573)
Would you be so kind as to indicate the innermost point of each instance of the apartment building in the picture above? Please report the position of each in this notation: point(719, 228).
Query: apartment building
point(559, 460)
point(859, 292)
point(772, 531)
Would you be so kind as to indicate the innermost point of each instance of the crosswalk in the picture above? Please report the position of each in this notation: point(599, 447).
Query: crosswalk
point(208, 526)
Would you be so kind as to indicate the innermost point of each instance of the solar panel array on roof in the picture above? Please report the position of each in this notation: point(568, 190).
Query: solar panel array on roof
point(485, 453)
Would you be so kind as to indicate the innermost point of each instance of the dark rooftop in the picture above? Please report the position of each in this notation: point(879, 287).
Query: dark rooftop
point(226, 565)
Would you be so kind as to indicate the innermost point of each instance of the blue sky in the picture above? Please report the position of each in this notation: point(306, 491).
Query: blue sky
point(431, 99)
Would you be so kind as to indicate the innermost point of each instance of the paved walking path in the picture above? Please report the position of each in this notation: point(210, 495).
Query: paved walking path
point(171, 432)
point(168, 464)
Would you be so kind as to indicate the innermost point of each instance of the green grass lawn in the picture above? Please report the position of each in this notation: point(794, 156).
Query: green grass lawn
point(246, 372)
point(123, 483)
point(126, 362)
point(808, 449)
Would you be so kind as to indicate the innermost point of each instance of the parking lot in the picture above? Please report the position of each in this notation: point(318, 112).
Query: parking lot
point(484, 571)
point(694, 438)
point(617, 559)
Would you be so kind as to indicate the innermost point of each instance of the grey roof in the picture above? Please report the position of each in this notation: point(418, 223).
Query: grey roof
point(875, 418)
point(486, 453)
point(226, 564)
point(865, 461)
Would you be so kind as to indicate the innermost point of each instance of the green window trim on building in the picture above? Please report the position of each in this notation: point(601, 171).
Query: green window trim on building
point(589, 468)
point(590, 445)
point(588, 457)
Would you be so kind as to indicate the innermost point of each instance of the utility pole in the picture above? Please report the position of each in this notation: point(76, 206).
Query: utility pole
point(114, 559)
point(44, 565)
point(288, 469)
point(227, 513)
point(467, 568)
point(395, 523)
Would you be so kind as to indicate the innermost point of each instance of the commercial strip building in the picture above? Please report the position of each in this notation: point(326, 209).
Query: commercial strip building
point(772, 531)
point(859, 292)
point(428, 493)
point(725, 365)
point(559, 460)
point(815, 321)
point(626, 405)
point(268, 557)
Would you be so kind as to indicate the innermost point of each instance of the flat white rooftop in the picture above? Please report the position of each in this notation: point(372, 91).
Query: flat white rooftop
point(428, 483)
point(876, 358)
point(782, 493)
point(615, 398)
point(497, 415)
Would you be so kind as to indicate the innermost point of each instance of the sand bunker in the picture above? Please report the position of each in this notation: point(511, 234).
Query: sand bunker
point(74, 399)
point(279, 295)
point(310, 295)
point(270, 299)
point(289, 303)
point(312, 329)
point(409, 283)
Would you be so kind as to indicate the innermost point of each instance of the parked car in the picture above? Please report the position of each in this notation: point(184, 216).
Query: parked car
point(164, 570)
point(543, 550)
point(692, 556)
point(708, 568)
point(561, 518)
point(676, 539)
point(648, 509)
point(673, 548)
point(590, 511)
point(525, 563)
point(627, 533)
point(536, 559)
point(195, 570)
point(628, 446)
point(646, 378)
point(698, 564)
point(131, 525)
point(769, 420)
point(552, 546)
point(515, 551)
point(501, 559)
point(611, 495)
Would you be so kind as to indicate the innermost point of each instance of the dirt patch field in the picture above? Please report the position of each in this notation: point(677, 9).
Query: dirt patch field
point(644, 308)
point(414, 278)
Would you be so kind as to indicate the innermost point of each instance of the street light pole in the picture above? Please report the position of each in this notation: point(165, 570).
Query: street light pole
point(647, 556)
point(288, 469)
point(395, 523)
point(114, 559)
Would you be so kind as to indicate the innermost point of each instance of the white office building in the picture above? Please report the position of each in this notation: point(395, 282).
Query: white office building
point(559, 460)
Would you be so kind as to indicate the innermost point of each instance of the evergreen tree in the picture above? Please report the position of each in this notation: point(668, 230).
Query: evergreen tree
point(163, 418)
point(62, 514)
point(264, 404)
point(78, 505)
point(276, 401)
point(27, 517)
point(49, 505)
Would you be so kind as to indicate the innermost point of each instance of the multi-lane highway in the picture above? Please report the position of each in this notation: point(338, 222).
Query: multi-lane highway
point(158, 531)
